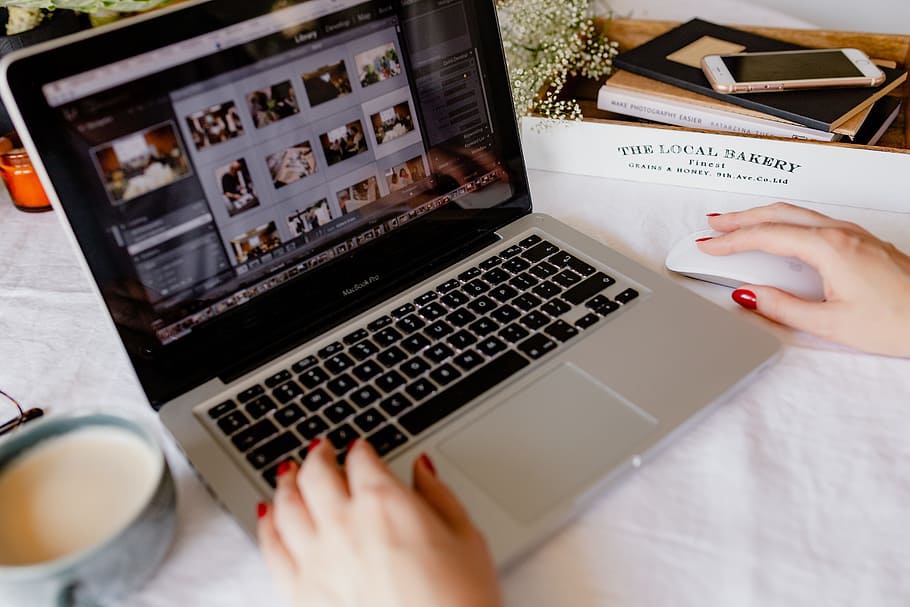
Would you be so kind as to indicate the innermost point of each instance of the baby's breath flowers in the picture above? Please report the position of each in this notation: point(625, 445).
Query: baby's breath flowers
point(546, 42)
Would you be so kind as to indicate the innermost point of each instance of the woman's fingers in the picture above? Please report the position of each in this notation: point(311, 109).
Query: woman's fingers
point(366, 471)
point(812, 245)
point(292, 518)
point(438, 495)
point(779, 212)
point(322, 484)
point(277, 556)
point(786, 309)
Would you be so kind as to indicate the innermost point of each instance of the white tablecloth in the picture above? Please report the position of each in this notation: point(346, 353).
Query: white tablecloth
point(794, 492)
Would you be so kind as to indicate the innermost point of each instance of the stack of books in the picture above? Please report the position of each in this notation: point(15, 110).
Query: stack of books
point(662, 81)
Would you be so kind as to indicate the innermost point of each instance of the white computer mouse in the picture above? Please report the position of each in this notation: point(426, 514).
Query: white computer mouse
point(752, 267)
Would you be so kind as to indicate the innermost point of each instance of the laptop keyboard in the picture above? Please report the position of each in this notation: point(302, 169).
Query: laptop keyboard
point(394, 378)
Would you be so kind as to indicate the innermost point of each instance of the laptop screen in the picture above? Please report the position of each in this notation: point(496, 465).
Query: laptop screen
point(238, 173)
point(221, 187)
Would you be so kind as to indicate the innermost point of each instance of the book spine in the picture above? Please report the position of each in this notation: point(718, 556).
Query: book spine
point(684, 114)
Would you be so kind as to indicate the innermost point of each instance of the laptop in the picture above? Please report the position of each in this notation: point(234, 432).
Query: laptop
point(312, 219)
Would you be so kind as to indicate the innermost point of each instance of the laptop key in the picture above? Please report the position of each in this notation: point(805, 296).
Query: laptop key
point(527, 301)
point(369, 420)
point(342, 436)
point(546, 290)
point(540, 251)
point(597, 302)
point(433, 311)
point(496, 276)
point(380, 323)
point(338, 363)
point(523, 281)
point(581, 267)
point(289, 415)
point(608, 307)
point(544, 270)
point(438, 330)
point(250, 393)
point(316, 400)
point(272, 450)
point(338, 412)
point(482, 305)
point(260, 406)
point(511, 252)
point(449, 285)
point(537, 346)
point(313, 377)
point(484, 326)
point(626, 296)
point(415, 343)
point(255, 434)
point(588, 288)
point(513, 333)
point(505, 314)
point(438, 353)
point(476, 287)
point(386, 439)
point(535, 320)
point(587, 321)
point(489, 264)
point(455, 299)
point(387, 337)
point(353, 338)
point(403, 310)
point(302, 365)
point(420, 389)
point(426, 298)
point(363, 350)
point(561, 330)
point(445, 374)
point(503, 293)
point(517, 265)
point(468, 360)
point(461, 317)
point(312, 427)
point(392, 356)
point(410, 323)
point(232, 422)
point(365, 396)
point(555, 307)
point(222, 408)
point(462, 392)
point(462, 340)
point(287, 391)
point(530, 241)
point(491, 346)
point(366, 371)
point(390, 381)
point(395, 404)
point(331, 350)
point(414, 367)
point(469, 274)
point(567, 278)
point(342, 384)
point(278, 378)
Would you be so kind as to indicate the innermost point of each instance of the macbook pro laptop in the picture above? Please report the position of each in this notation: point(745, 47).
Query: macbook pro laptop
point(311, 219)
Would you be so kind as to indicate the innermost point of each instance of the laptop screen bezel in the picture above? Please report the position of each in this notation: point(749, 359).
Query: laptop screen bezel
point(283, 319)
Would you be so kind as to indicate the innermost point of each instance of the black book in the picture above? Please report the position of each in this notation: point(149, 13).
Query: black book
point(821, 109)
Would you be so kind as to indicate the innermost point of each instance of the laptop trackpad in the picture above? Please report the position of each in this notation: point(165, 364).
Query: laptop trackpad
point(548, 442)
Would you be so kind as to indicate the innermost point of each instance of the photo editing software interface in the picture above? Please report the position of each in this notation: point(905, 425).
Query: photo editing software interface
point(214, 190)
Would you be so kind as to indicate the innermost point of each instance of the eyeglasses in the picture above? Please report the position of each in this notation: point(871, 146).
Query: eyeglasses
point(12, 415)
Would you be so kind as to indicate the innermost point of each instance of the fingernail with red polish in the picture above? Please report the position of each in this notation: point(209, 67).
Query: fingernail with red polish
point(428, 463)
point(313, 444)
point(705, 239)
point(351, 444)
point(262, 509)
point(745, 298)
point(714, 214)
point(283, 467)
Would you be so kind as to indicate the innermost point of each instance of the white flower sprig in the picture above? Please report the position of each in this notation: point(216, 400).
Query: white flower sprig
point(546, 42)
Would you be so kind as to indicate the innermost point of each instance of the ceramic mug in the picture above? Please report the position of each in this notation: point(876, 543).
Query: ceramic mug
point(117, 564)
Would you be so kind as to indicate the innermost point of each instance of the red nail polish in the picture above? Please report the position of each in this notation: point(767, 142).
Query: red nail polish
point(283, 467)
point(313, 444)
point(745, 298)
point(262, 509)
point(351, 444)
point(714, 214)
point(707, 238)
point(428, 463)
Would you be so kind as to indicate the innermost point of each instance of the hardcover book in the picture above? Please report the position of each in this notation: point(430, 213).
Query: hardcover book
point(672, 58)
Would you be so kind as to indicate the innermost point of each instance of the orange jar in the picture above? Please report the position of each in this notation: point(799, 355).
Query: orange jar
point(22, 182)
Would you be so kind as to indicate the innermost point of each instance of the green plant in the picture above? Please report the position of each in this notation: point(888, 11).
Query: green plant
point(546, 42)
point(27, 14)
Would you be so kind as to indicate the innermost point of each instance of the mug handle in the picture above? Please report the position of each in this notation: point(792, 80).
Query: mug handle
point(69, 597)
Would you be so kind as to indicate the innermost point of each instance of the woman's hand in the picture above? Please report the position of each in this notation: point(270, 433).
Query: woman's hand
point(358, 536)
point(867, 281)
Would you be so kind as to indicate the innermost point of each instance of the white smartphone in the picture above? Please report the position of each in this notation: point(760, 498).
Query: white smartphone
point(786, 70)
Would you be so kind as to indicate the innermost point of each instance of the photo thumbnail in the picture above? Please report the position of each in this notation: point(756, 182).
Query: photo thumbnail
point(215, 125)
point(358, 195)
point(392, 123)
point(292, 165)
point(141, 163)
point(343, 142)
point(256, 242)
point(237, 187)
point(377, 64)
point(405, 174)
point(269, 105)
point(312, 217)
point(327, 83)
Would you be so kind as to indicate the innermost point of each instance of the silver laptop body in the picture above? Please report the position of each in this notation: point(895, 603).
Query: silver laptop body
point(265, 199)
